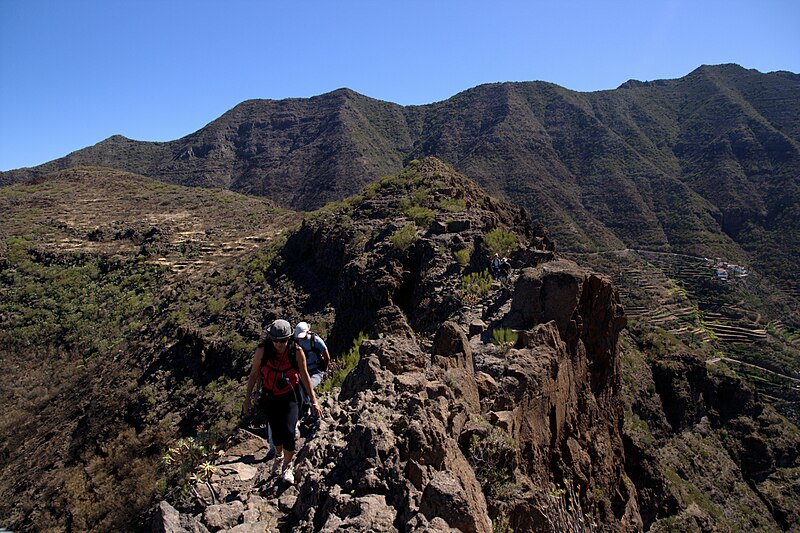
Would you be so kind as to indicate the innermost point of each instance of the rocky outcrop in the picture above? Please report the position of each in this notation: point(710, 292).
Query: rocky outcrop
point(464, 432)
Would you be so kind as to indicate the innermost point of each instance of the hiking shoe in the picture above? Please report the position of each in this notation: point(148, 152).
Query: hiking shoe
point(288, 475)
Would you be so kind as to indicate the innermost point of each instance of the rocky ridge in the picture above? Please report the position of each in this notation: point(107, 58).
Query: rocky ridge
point(438, 428)
point(394, 450)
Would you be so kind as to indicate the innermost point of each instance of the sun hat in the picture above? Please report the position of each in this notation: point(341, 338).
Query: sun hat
point(280, 329)
point(301, 331)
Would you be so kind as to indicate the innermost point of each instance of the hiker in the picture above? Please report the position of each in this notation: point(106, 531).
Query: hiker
point(505, 268)
point(317, 356)
point(280, 365)
point(495, 266)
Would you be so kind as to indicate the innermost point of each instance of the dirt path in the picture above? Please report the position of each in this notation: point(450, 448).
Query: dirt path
point(718, 359)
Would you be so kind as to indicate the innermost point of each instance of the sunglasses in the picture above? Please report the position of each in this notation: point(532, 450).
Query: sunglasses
point(280, 341)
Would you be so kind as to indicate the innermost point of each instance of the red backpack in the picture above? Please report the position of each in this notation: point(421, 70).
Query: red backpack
point(279, 375)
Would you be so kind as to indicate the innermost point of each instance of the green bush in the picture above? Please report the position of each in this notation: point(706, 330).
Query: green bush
point(492, 457)
point(88, 305)
point(190, 460)
point(421, 216)
point(462, 256)
point(475, 286)
point(563, 510)
point(341, 368)
point(403, 238)
point(453, 205)
point(499, 242)
point(504, 337)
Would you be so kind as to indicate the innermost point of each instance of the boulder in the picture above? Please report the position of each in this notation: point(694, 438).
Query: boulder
point(167, 519)
point(444, 497)
point(223, 516)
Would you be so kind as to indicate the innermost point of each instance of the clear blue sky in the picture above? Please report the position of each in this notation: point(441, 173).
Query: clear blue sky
point(74, 72)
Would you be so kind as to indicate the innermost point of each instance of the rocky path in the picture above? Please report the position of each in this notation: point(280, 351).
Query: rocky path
point(243, 495)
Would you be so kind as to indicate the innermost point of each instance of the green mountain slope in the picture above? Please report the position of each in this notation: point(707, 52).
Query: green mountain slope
point(701, 163)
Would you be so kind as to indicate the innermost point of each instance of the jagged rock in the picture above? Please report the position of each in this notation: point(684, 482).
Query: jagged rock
point(477, 326)
point(452, 353)
point(250, 516)
point(365, 513)
point(192, 524)
point(237, 471)
point(487, 386)
point(223, 516)
point(445, 497)
point(503, 420)
point(167, 519)
point(255, 527)
point(287, 500)
point(457, 226)
point(450, 340)
point(549, 292)
point(437, 227)
point(421, 524)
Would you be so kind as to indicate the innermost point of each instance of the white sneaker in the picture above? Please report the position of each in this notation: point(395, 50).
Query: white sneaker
point(297, 430)
point(288, 475)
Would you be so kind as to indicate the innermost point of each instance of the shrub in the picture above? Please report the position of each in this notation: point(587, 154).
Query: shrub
point(216, 306)
point(189, 459)
point(403, 238)
point(453, 205)
point(499, 242)
point(462, 256)
point(506, 338)
point(342, 368)
point(492, 457)
point(475, 286)
point(421, 216)
point(563, 511)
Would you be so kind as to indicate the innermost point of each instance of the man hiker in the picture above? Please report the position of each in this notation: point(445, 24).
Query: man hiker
point(317, 356)
point(495, 266)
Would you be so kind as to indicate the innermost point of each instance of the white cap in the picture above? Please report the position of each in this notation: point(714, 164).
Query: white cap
point(301, 330)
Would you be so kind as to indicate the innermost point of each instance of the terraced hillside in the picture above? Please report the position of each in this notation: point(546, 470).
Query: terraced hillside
point(97, 211)
point(738, 322)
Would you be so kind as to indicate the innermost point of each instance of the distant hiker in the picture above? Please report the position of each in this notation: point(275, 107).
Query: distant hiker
point(317, 356)
point(495, 266)
point(281, 366)
point(505, 268)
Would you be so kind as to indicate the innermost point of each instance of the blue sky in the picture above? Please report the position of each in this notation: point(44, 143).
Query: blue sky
point(74, 72)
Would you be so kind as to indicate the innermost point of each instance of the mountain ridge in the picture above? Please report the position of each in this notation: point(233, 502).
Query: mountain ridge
point(706, 164)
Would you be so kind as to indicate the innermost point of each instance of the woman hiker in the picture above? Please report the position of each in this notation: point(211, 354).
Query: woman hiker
point(281, 365)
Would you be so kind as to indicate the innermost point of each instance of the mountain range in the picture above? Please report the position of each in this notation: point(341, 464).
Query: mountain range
point(705, 164)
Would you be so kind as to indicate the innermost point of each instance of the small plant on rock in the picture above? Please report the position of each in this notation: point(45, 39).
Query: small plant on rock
point(421, 216)
point(475, 286)
point(505, 338)
point(563, 511)
point(453, 205)
point(499, 242)
point(462, 256)
point(341, 368)
point(492, 457)
point(403, 238)
point(190, 459)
